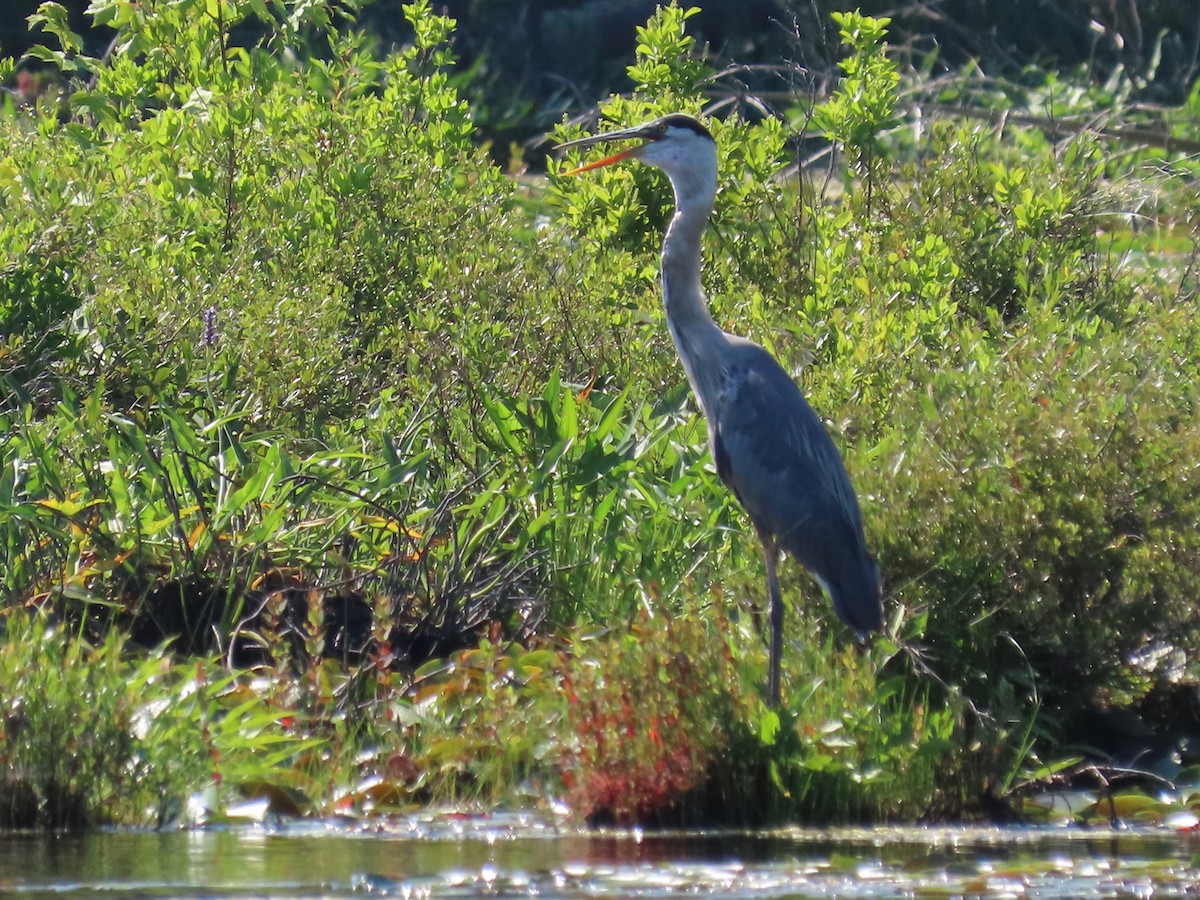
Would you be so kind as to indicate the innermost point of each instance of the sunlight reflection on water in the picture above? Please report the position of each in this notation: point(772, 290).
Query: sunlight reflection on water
point(517, 855)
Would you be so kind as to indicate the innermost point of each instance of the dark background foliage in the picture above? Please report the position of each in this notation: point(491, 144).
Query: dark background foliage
point(529, 61)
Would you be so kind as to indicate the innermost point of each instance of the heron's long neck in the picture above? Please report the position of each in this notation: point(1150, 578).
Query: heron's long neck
point(693, 330)
point(682, 294)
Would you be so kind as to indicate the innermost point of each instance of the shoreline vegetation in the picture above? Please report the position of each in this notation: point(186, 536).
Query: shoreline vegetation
point(350, 472)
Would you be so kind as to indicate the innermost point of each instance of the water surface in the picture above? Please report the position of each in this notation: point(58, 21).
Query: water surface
point(516, 856)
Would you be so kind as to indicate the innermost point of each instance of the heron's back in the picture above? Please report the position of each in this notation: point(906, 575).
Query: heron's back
point(777, 457)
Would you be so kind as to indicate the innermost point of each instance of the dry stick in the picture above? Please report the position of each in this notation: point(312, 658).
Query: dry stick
point(1053, 125)
point(1059, 126)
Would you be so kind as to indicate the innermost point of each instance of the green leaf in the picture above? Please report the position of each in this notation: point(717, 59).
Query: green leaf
point(768, 727)
point(52, 18)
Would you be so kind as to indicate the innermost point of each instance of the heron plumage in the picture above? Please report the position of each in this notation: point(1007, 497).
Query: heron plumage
point(769, 446)
point(774, 453)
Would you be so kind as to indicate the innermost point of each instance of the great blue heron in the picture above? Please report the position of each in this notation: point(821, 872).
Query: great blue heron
point(769, 446)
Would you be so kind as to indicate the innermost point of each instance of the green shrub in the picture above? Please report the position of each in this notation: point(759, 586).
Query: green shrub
point(1045, 545)
point(322, 211)
point(36, 307)
point(483, 726)
point(307, 349)
point(1053, 493)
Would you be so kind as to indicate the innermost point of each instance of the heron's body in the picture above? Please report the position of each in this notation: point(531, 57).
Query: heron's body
point(769, 446)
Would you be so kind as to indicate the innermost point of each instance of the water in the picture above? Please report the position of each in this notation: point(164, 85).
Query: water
point(514, 856)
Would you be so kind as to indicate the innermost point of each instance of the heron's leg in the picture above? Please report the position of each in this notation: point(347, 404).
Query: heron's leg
point(771, 559)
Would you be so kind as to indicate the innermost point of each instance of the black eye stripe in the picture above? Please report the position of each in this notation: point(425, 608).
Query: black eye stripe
point(678, 120)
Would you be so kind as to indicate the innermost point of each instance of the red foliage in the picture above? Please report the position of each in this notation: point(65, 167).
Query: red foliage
point(646, 722)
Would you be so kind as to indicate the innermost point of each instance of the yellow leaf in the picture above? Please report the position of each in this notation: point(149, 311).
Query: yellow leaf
point(195, 535)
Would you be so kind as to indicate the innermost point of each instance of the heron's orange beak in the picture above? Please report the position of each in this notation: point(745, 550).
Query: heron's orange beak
point(641, 133)
point(607, 161)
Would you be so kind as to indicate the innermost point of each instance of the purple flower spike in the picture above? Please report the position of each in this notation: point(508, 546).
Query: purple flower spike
point(209, 317)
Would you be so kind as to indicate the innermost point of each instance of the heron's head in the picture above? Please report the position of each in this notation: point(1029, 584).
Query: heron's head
point(679, 145)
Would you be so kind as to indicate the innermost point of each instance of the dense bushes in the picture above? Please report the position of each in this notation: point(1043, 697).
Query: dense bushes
point(1051, 510)
point(296, 378)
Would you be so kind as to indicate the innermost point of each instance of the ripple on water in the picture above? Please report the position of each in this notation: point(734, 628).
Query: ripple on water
point(517, 855)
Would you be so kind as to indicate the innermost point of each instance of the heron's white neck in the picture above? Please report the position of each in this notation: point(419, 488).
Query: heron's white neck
point(683, 294)
point(691, 324)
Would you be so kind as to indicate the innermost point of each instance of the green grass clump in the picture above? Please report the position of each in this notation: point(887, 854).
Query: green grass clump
point(68, 729)
point(93, 736)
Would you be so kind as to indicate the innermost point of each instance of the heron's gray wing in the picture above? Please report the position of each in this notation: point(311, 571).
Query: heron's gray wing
point(775, 454)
